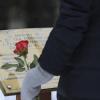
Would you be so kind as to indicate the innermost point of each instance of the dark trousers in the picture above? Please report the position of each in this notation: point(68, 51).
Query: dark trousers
point(59, 97)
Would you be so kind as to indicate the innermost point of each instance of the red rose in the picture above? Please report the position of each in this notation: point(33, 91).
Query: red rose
point(21, 48)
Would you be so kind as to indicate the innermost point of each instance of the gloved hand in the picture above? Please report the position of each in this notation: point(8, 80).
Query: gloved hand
point(32, 82)
point(30, 93)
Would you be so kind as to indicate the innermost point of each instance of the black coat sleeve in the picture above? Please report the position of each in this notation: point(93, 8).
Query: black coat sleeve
point(66, 35)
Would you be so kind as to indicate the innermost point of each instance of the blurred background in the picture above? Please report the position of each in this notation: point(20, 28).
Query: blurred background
point(16, 14)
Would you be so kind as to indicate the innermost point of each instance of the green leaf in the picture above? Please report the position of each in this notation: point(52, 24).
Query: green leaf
point(19, 69)
point(20, 61)
point(34, 62)
point(7, 66)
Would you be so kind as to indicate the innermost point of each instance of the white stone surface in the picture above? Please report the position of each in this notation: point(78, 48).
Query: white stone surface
point(53, 95)
point(2, 97)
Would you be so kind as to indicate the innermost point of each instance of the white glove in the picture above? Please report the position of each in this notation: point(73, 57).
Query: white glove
point(32, 82)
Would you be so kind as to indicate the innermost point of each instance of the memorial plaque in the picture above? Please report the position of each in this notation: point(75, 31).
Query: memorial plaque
point(10, 78)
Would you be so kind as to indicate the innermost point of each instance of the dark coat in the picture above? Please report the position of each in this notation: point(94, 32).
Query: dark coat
point(73, 49)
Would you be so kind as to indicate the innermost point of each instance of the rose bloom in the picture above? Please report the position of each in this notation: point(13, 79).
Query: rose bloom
point(21, 48)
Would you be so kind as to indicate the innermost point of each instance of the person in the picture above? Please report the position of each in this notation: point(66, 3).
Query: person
point(72, 51)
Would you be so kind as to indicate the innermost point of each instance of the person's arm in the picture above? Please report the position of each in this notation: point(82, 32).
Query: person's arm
point(32, 82)
point(66, 36)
